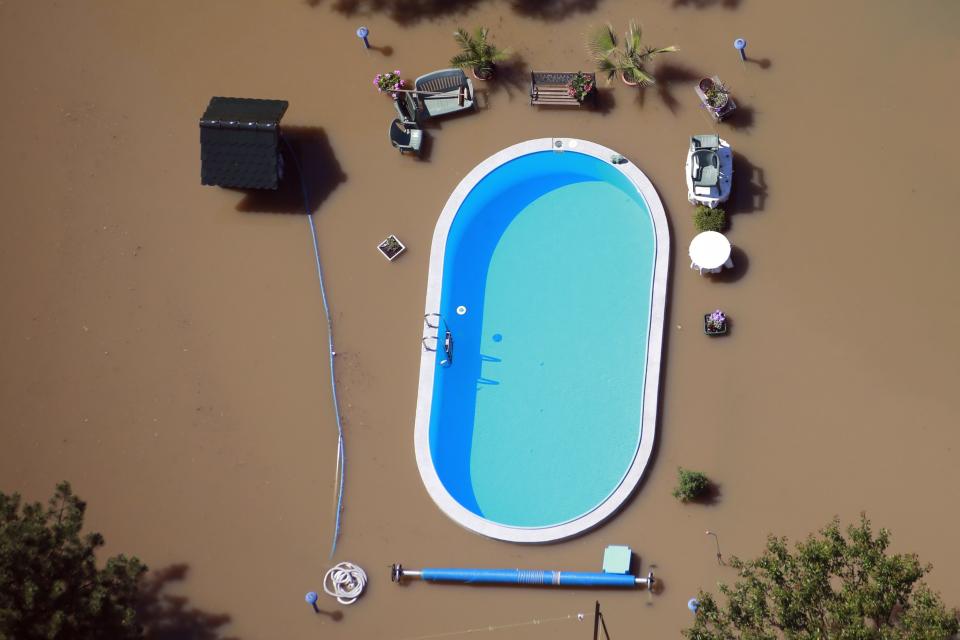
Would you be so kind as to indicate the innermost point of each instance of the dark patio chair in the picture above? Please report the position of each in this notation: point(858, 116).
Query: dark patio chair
point(405, 137)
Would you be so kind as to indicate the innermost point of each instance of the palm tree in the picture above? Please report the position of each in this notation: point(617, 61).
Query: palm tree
point(628, 60)
point(476, 53)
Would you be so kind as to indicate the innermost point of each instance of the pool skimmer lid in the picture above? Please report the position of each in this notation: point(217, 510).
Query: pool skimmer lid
point(461, 310)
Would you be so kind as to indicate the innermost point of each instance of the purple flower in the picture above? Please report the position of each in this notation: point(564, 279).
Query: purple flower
point(716, 320)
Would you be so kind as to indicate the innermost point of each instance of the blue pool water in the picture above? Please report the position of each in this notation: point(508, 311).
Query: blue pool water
point(538, 418)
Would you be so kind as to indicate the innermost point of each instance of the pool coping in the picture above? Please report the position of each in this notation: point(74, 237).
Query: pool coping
point(435, 488)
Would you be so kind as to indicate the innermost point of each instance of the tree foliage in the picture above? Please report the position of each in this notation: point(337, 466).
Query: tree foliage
point(50, 586)
point(831, 587)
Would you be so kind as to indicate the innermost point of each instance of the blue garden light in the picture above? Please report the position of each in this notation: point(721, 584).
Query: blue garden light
point(362, 33)
point(311, 599)
point(740, 45)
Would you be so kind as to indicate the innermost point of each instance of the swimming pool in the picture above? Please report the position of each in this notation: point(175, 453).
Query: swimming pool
point(548, 273)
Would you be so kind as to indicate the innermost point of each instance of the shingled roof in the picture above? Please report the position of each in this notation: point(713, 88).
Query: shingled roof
point(238, 142)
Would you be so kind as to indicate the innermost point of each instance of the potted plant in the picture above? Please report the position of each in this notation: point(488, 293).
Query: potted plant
point(715, 324)
point(391, 247)
point(476, 53)
point(718, 95)
point(629, 61)
point(388, 82)
point(580, 86)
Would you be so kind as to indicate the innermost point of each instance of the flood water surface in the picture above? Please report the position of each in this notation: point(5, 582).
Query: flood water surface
point(164, 343)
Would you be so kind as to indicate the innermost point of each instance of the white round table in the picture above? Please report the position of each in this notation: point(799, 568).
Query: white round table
point(709, 250)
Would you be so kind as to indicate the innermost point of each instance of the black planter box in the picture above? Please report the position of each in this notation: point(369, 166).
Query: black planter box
point(713, 332)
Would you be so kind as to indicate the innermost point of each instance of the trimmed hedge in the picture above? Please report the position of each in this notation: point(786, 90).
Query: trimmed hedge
point(707, 219)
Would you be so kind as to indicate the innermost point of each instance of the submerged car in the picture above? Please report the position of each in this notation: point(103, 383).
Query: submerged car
point(709, 170)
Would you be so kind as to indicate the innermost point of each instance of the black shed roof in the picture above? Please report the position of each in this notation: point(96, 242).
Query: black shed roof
point(239, 140)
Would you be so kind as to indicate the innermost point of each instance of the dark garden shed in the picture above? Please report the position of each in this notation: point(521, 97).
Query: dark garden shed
point(240, 143)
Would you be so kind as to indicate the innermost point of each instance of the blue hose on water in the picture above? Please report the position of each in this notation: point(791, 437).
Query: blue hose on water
point(341, 457)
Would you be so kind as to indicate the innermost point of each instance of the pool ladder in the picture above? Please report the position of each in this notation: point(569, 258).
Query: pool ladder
point(435, 338)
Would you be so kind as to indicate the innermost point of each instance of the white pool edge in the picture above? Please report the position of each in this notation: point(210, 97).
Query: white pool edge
point(447, 503)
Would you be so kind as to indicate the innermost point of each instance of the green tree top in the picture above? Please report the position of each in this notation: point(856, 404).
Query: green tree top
point(831, 587)
point(50, 586)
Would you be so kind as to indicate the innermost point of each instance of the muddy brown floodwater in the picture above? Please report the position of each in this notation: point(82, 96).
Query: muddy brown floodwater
point(163, 343)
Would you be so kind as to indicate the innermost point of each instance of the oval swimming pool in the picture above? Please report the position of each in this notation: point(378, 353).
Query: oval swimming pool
point(536, 410)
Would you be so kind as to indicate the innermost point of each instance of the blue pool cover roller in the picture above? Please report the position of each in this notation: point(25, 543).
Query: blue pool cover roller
point(523, 577)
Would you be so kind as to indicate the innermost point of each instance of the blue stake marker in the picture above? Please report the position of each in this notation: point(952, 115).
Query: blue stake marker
point(311, 599)
point(362, 33)
point(693, 604)
point(740, 45)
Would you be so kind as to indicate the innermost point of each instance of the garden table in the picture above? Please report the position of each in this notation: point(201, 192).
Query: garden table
point(710, 252)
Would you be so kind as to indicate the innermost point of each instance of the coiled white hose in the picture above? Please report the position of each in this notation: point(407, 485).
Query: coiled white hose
point(345, 582)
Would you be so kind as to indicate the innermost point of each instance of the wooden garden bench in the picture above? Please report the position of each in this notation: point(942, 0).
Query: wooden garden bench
point(550, 88)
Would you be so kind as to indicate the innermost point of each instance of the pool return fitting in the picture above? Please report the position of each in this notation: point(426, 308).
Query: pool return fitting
point(618, 577)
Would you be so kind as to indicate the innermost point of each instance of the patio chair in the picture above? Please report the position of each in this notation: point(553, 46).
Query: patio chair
point(706, 168)
point(443, 92)
point(705, 141)
point(405, 137)
point(406, 108)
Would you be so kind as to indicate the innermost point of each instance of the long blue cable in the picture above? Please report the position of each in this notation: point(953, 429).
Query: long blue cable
point(341, 457)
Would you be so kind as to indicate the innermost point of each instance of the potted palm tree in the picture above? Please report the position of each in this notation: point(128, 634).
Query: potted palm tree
point(476, 53)
point(628, 60)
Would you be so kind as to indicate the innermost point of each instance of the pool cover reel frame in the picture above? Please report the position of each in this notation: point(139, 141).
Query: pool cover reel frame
point(523, 577)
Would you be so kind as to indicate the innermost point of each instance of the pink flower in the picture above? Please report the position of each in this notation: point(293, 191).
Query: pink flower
point(388, 81)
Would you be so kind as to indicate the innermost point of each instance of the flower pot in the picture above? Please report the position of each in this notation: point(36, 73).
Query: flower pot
point(391, 247)
point(707, 329)
point(386, 86)
point(629, 83)
point(706, 84)
point(482, 73)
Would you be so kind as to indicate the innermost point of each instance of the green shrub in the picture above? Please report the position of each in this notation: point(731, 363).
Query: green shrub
point(691, 484)
point(707, 219)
